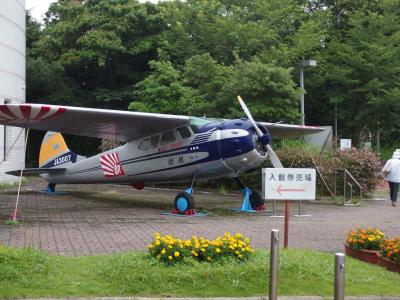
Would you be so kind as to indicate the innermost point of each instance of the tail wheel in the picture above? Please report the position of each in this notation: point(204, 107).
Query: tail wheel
point(255, 199)
point(183, 202)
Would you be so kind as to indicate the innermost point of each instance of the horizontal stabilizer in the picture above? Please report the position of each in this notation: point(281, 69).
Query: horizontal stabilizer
point(36, 171)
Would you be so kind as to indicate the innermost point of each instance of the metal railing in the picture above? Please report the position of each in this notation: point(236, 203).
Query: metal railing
point(349, 202)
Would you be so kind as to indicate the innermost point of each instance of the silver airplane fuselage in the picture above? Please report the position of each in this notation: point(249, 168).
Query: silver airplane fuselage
point(210, 148)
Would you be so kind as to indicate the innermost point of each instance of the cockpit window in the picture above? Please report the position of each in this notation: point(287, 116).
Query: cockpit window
point(167, 137)
point(184, 132)
point(149, 143)
point(197, 123)
point(144, 145)
point(154, 140)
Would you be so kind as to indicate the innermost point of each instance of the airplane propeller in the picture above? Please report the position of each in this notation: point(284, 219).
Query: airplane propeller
point(264, 139)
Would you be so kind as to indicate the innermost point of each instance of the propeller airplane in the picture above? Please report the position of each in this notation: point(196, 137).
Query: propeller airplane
point(158, 147)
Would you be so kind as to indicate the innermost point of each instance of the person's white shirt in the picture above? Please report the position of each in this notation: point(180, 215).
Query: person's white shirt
point(394, 165)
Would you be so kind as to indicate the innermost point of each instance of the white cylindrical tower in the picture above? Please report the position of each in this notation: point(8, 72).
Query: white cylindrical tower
point(12, 81)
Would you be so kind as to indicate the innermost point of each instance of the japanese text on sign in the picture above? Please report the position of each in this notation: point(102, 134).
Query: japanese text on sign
point(289, 184)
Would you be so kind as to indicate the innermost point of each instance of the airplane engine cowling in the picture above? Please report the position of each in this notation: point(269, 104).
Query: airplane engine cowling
point(237, 149)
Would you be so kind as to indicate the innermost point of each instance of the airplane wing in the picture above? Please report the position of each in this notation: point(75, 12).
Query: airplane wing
point(100, 123)
point(113, 124)
point(282, 131)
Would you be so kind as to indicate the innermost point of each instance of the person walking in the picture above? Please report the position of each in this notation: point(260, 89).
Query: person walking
point(391, 174)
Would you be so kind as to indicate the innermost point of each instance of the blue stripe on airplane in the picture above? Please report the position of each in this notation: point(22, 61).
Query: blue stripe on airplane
point(211, 147)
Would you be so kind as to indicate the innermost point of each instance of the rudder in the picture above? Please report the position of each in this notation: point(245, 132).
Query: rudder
point(54, 151)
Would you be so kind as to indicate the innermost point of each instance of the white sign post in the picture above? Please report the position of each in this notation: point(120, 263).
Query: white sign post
point(288, 184)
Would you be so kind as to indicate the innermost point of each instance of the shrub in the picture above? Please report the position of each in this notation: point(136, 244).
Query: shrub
point(109, 144)
point(363, 164)
point(170, 250)
point(391, 249)
point(368, 239)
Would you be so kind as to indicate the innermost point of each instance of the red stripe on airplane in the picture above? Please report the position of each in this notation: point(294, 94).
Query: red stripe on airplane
point(43, 110)
point(26, 111)
point(6, 110)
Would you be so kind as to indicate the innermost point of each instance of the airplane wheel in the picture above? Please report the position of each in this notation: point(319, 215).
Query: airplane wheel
point(183, 202)
point(255, 199)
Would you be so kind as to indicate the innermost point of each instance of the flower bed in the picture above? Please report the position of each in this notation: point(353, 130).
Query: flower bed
point(389, 255)
point(369, 256)
point(364, 244)
point(171, 250)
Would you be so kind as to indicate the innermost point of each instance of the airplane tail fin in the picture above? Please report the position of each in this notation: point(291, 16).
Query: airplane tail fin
point(54, 152)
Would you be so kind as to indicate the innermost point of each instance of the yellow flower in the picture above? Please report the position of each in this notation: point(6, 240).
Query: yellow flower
point(170, 257)
point(195, 253)
point(217, 250)
point(158, 243)
point(176, 254)
point(209, 258)
point(163, 251)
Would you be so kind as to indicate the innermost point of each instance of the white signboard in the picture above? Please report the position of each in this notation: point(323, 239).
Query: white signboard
point(345, 144)
point(288, 184)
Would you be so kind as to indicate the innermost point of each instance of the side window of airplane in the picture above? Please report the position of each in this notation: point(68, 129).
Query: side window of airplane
point(154, 140)
point(144, 145)
point(184, 132)
point(167, 137)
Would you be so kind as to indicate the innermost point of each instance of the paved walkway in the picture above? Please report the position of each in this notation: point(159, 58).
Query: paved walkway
point(104, 219)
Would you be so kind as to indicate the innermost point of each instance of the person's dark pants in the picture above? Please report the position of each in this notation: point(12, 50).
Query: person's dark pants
point(394, 190)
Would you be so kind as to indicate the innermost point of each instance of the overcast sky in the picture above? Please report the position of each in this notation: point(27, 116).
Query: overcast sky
point(39, 7)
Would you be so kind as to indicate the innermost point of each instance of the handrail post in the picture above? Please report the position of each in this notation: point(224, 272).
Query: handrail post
point(344, 186)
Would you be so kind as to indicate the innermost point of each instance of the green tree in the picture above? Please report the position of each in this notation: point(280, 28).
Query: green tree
point(163, 91)
point(360, 74)
point(104, 46)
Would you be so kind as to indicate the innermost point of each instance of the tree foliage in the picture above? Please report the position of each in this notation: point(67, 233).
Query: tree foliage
point(194, 57)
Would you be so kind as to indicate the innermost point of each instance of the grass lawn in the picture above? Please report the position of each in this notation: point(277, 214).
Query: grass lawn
point(32, 273)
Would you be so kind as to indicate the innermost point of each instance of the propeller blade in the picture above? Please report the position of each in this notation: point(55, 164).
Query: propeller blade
point(274, 158)
point(248, 114)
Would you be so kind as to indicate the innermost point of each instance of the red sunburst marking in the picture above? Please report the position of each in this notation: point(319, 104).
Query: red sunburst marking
point(26, 111)
point(43, 110)
point(6, 110)
point(111, 165)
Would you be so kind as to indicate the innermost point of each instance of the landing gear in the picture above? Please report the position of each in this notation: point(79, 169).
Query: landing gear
point(184, 202)
point(252, 199)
